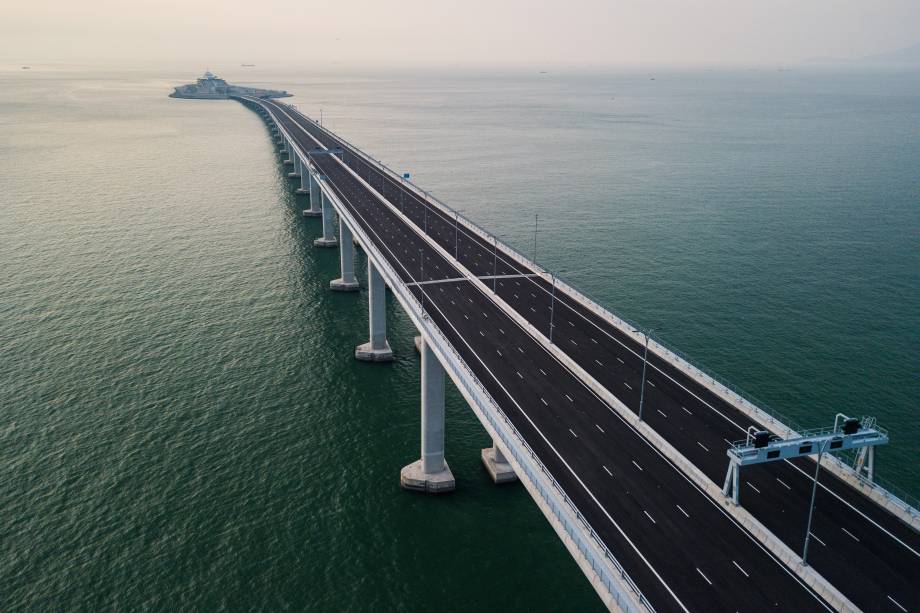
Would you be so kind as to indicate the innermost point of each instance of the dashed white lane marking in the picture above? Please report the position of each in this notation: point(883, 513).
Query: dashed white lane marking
point(521, 350)
point(662, 413)
point(573, 342)
point(544, 401)
point(620, 361)
point(481, 333)
point(571, 324)
point(815, 536)
point(519, 374)
point(573, 434)
point(594, 341)
point(783, 483)
point(896, 603)
point(599, 428)
point(687, 515)
point(500, 330)
point(569, 397)
point(707, 449)
point(851, 535)
point(627, 385)
point(685, 409)
point(636, 465)
point(466, 316)
point(599, 363)
point(741, 569)
point(543, 371)
point(652, 384)
point(498, 352)
point(608, 471)
point(484, 315)
point(651, 519)
point(533, 309)
point(704, 576)
point(752, 487)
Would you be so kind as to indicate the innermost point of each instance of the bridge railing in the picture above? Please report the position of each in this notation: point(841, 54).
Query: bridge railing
point(759, 409)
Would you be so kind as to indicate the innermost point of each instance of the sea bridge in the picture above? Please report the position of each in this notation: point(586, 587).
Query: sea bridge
point(621, 442)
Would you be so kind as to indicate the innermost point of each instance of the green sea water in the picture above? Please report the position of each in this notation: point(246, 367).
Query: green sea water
point(183, 425)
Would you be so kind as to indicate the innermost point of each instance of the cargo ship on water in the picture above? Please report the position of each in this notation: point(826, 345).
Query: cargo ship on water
point(212, 87)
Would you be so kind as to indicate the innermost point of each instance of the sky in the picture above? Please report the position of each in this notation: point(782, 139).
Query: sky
point(453, 32)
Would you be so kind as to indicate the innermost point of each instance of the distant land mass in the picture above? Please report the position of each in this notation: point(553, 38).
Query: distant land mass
point(904, 57)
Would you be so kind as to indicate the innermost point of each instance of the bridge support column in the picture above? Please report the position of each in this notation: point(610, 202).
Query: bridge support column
point(295, 171)
point(304, 177)
point(497, 465)
point(377, 349)
point(289, 148)
point(314, 210)
point(347, 282)
point(430, 474)
point(328, 237)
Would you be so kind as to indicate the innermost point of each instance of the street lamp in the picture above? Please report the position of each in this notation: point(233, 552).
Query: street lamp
point(536, 218)
point(552, 308)
point(644, 365)
point(811, 507)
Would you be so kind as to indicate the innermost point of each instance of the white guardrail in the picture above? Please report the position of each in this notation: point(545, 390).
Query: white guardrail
point(896, 500)
point(604, 571)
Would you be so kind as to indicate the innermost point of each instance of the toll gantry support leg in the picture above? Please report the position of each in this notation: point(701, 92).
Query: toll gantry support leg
point(497, 465)
point(304, 177)
point(347, 282)
point(328, 237)
point(430, 474)
point(314, 210)
point(377, 349)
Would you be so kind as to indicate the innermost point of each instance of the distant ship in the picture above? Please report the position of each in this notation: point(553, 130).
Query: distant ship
point(212, 87)
point(27, 68)
point(248, 65)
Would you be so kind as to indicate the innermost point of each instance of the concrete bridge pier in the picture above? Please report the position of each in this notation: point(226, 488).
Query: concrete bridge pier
point(295, 171)
point(304, 178)
point(314, 210)
point(377, 349)
point(347, 282)
point(289, 148)
point(430, 474)
point(497, 464)
point(328, 237)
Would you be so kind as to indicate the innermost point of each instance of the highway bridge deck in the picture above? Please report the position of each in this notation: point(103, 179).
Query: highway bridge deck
point(681, 547)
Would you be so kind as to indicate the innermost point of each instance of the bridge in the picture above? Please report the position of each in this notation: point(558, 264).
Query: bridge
point(621, 442)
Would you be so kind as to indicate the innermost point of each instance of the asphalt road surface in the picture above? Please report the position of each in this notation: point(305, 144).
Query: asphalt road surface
point(633, 497)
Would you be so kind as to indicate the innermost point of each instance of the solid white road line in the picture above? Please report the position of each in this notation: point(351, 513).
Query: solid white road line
point(897, 604)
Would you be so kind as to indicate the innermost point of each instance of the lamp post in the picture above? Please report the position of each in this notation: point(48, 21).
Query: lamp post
point(811, 506)
point(536, 218)
point(644, 365)
point(552, 309)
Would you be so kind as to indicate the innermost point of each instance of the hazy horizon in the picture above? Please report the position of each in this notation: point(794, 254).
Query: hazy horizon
point(584, 33)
